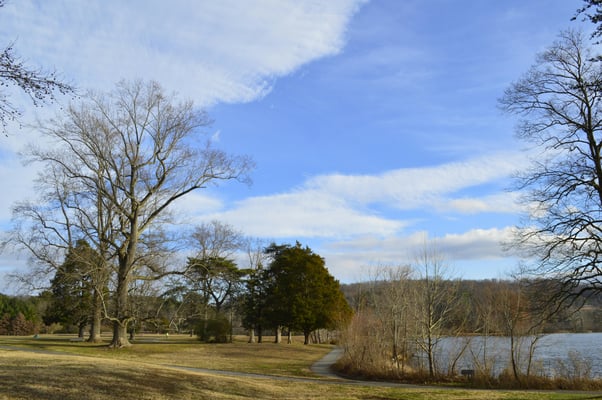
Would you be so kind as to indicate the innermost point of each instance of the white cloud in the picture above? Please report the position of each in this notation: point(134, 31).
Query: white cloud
point(477, 244)
point(411, 188)
point(304, 213)
point(473, 244)
point(503, 202)
point(226, 51)
point(351, 260)
point(345, 206)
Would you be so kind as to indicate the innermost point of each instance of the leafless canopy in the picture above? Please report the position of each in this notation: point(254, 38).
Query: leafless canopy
point(558, 100)
point(118, 162)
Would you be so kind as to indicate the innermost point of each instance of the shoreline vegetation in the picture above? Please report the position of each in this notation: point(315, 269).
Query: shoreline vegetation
point(54, 367)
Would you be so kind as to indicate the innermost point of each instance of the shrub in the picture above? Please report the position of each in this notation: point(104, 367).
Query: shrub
point(215, 330)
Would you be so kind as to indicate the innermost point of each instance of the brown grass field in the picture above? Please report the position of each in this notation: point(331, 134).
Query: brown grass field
point(52, 367)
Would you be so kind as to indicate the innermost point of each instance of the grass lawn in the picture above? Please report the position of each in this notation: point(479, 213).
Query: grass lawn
point(89, 371)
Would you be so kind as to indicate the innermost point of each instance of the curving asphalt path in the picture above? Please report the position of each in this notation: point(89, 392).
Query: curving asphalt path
point(323, 367)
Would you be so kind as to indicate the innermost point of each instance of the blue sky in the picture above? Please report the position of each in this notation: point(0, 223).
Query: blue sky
point(373, 124)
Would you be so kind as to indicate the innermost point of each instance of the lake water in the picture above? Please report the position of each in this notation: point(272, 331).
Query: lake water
point(579, 354)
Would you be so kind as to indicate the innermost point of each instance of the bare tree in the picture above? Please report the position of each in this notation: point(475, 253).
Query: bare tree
point(522, 322)
point(41, 86)
point(216, 239)
point(592, 12)
point(49, 230)
point(558, 101)
point(212, 272)
point(131, 154)
point(390, 293)
point(434, 301)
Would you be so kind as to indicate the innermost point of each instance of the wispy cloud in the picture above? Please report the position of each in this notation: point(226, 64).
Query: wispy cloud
point(304, 213)
point(226, 51)
point(508, 202)
point(352, 260)
point(345, 206)
point(411, 188)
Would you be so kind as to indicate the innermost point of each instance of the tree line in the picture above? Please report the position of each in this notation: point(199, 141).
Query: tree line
point(404, 315)
point(289, 288)
point(18, 316)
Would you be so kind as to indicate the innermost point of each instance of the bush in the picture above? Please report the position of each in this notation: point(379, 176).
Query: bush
point(53, 328)
point(215, 330)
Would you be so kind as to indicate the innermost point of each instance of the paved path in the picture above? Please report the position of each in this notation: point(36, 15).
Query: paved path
point(323, 367)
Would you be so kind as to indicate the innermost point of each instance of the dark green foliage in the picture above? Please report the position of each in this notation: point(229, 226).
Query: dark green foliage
point(300, 292)
point(255, 303)
point(216, 330)
point(15, 305)
point(17, 316)
point(72, 288)
point(218, 279)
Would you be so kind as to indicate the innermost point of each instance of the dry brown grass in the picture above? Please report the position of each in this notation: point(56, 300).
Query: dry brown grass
point(40, 376)
point(129, 375)
point(181, 350)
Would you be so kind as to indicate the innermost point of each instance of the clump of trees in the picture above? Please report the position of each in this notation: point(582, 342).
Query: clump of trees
point(285, 287)
point(294, 291)
point(416, 326)
point(400, 317)
point(18, 316)
point(119, 163)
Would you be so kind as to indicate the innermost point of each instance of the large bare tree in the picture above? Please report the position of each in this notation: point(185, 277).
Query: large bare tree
point(558, 101)
point(128, 156)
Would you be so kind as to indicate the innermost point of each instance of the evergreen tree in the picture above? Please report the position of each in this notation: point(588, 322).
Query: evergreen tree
point(72, 289)
point(301, 292)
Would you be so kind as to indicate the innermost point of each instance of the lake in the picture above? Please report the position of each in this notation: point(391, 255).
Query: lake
point(577, 354)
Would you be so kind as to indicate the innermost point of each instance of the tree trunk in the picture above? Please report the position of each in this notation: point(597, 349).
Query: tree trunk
point(252, 335)
point(120, 336)
point(120, 323)
point(96, 318)
point(514, 356)
point(278, 336)
point(259, 334)
point(306, 334)
point(81, 330)
point(290, 336)
point(430, 349)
